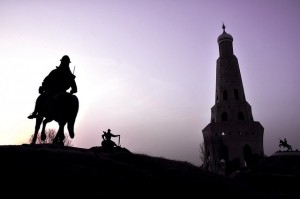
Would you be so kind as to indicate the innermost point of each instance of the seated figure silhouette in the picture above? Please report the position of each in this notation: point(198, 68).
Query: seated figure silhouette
point(107, 143)
point(55, 103)
point(284, 144)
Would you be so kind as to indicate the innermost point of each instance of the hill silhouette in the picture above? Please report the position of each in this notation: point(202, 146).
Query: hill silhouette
point(63, 171)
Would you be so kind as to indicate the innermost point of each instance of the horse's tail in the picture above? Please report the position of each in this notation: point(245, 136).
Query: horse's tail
point(74, 107)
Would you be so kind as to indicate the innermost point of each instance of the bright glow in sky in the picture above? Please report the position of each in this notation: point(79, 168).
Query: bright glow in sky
point(146, 68)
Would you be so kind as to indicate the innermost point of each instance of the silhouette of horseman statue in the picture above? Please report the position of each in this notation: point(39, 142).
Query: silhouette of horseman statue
point(284, 144)
point(56, 103)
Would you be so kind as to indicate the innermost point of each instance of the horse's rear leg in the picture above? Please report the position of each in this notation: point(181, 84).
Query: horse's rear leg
point(72, 116)
point(43, 133)
point(38, 122)
point(60, 135)
point(71, 129)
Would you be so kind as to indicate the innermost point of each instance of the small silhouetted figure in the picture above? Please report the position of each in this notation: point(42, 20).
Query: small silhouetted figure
point(59, 80)
point(283, 143)
point(107, 142)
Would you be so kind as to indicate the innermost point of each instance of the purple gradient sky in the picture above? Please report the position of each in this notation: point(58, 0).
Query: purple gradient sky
point(146, 68)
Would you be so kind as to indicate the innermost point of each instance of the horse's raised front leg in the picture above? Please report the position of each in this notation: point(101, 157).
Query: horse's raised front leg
point(38, 122)
point(43, 133)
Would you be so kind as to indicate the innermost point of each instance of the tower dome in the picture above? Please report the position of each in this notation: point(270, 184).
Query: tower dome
point(224, 36)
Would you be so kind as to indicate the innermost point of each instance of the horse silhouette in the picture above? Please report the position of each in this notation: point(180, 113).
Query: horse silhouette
point(283, 143)
point(63, 109)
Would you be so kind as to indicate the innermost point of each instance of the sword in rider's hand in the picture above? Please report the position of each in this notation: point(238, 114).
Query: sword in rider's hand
point(74, 69)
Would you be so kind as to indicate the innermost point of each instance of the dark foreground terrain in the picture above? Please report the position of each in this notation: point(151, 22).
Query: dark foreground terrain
point(61, 171)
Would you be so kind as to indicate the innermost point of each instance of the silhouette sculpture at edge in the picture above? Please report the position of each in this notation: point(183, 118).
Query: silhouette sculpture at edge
point(284, 144)
point(55, 103)
point(107, 143)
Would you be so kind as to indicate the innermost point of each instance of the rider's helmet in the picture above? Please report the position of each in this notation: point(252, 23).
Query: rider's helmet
point(65, 58)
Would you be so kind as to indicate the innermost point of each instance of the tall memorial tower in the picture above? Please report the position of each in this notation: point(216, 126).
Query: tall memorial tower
point(232, 139)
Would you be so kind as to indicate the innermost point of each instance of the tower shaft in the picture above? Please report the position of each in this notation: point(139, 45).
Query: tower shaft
point(232, 138)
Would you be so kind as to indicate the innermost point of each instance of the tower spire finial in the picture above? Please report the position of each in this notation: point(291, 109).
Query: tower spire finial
point(223, 26)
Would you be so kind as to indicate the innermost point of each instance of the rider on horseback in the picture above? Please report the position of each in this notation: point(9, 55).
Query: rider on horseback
point(283, 143)
point(58, 81)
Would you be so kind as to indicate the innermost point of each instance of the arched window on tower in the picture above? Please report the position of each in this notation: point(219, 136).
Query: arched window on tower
point(236, 94)
point(225, 95)
point(224, 116)
point(241, 116)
